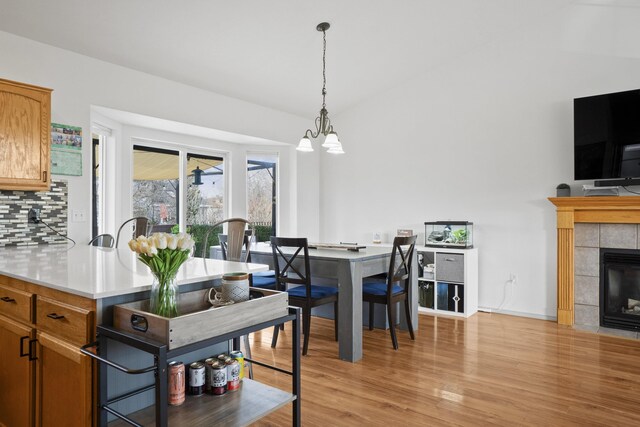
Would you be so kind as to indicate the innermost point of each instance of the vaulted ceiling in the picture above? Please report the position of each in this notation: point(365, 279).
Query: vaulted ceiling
point(269, 52)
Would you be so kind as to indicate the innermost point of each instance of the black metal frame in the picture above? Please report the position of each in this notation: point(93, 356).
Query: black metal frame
point(161, 355)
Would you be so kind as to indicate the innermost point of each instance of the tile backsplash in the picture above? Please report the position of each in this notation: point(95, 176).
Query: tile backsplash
point(14, 207)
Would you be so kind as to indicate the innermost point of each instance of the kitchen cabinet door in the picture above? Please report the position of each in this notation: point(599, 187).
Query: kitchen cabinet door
point(25, 136)
point(63, 378)
point(16, 374)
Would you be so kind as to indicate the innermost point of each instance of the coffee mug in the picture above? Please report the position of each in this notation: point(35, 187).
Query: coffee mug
point(234, 289)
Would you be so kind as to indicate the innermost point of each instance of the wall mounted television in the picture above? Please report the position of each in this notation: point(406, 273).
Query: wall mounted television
point(607, 138)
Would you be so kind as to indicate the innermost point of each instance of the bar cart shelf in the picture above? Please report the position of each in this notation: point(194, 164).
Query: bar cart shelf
point(238, 408)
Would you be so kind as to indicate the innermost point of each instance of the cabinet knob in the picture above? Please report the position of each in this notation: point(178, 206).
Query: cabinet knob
point(450, 259)
point(7, 299)
point(55, 316)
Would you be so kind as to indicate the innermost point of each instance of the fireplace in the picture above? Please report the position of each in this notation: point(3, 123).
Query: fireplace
point(620, 288)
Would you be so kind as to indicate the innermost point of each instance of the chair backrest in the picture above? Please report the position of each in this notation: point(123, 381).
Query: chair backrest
point(291, 265)
point(235, 239)
point(140, 228)
point(102, 240)
point(224, 247)
point(400, 264)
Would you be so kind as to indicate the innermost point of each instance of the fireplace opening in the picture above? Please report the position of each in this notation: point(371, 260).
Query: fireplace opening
point(620, 288)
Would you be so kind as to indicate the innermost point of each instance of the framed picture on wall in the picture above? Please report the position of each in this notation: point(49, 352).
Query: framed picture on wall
point(66, 150)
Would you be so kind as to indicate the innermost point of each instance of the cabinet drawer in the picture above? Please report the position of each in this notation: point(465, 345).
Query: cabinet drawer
point(16, 304)
point(450, 267)
point(63, 320)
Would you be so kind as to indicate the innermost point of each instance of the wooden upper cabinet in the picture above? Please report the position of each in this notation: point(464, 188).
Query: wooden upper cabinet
point(25, 148)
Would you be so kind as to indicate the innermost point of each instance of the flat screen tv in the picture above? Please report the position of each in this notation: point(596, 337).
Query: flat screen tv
point(607, 138)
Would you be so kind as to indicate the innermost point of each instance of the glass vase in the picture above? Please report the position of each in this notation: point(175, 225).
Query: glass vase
point(164, 296)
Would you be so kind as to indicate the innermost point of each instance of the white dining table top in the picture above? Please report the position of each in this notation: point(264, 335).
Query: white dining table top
point(95, 272)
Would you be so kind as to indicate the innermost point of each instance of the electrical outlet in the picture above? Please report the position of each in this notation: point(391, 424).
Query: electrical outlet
point(34, 215)
point(78, 215)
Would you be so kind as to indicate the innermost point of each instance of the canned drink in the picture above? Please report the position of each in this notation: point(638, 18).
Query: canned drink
point(218, 378)
point(233, 375)
point(196, 378)
point(176, 383)
point(222, 358)
point(237, 355)
point(207, 374)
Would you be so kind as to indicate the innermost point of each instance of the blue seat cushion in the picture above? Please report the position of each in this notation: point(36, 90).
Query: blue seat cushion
point(269, 273)
point(316, 291)
point(264, 281)
point(380, 289)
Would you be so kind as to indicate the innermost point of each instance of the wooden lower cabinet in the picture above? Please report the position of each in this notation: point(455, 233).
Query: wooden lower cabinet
point(63, 391)
point(44, 378)
point(16, 374)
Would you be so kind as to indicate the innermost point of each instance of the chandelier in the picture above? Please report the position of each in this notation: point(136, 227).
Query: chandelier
point(323, 124)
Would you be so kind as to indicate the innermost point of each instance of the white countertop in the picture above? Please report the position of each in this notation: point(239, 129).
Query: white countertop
point(94, 272)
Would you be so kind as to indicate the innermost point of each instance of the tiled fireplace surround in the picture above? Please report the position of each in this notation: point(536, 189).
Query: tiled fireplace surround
point(584, 225)
point(589, 238)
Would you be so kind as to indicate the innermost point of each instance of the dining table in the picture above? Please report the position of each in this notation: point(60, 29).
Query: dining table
point(349, 268)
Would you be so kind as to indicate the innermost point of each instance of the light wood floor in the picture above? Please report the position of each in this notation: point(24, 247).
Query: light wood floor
point(486, 370)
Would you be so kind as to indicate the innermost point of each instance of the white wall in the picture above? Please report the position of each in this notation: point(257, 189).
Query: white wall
point(79, 82)
point(485, 139)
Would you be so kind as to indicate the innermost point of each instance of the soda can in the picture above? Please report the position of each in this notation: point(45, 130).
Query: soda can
point(207, 374)
point(196, 378)
point(237, 355)
point(217, 378)
point(233, 375)
point(176, 383)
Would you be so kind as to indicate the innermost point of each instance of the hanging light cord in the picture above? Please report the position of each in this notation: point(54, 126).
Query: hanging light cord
point(324, 61)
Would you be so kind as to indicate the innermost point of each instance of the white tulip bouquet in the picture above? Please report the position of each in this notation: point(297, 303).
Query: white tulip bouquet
point(163, 253)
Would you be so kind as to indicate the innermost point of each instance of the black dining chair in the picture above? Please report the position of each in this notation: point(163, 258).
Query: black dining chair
point(292, 268)
point(396, 288)
point(102, 240)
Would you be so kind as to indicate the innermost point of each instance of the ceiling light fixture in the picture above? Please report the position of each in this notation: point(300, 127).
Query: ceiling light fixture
point(323, 124)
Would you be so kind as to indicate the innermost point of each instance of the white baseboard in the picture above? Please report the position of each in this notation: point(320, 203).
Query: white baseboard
point(518, 313)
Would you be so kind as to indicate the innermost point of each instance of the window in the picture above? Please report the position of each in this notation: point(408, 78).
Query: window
point(97, 198)
point(205, 199)
point(262, 194)
point(156, 186)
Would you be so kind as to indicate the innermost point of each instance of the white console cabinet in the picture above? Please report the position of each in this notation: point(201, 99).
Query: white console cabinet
point(452, 287)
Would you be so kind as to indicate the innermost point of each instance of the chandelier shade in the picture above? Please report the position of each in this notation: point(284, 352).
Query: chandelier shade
point(322, 122)
point(305, 145)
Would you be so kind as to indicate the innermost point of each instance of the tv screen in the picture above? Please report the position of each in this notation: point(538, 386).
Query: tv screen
point(607, 136)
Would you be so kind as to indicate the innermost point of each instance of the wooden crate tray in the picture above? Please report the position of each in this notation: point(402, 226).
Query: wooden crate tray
point(198, 320)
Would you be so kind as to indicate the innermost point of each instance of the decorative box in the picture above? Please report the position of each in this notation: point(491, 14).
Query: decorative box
point(448, 234)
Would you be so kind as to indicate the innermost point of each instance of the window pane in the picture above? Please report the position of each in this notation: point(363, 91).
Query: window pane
point(261, 194)
point(96, 208)
point(205, 198)
point(156, 186)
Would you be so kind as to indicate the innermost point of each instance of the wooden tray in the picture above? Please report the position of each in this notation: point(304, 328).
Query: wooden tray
point(198, 320)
